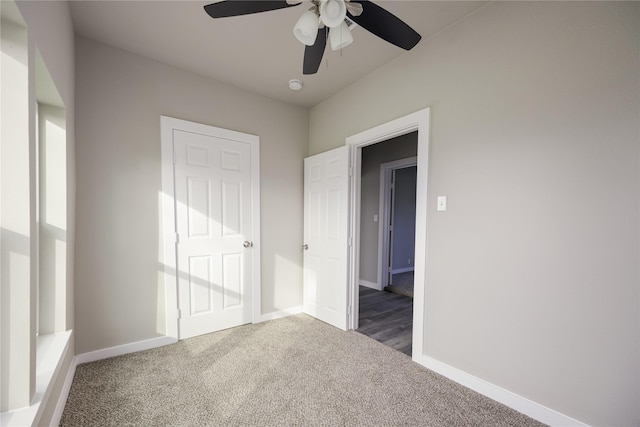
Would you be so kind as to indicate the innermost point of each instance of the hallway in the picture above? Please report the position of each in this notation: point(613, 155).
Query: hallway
point(386, 317)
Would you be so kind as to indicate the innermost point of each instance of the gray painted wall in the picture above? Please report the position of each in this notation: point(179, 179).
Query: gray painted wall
point(532, 279)
point(532, 273)
point(404, 219)
point(120, 98)
point(372, 157)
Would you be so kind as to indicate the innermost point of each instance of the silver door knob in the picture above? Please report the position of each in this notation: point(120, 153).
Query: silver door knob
point(305, 247)
point(247, 244)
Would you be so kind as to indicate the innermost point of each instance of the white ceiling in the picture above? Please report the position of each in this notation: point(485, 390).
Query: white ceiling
point(255, 52)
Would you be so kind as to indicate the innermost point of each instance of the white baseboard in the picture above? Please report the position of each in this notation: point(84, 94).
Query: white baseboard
point(64, 394)
point(372, 285)
point(119, 350)
point(99, 355)
point(279, 314)
point(499, 394)
point(514, 401)
point(402, 270)
point(51, 351)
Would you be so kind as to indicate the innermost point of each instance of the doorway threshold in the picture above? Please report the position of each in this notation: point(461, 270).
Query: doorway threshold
point(386, 317)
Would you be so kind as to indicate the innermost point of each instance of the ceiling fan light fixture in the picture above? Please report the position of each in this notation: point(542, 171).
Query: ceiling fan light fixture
point(306, 29)
point(340, 36)
point(313, 27)
point(332, 12)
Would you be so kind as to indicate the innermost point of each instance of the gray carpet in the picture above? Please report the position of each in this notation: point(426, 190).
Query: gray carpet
point(294, 371)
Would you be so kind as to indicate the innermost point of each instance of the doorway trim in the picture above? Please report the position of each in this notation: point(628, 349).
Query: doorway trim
point(418, 121)
point(385, 215)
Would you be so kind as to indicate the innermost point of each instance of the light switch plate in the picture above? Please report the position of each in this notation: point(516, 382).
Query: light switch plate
point(442, 203)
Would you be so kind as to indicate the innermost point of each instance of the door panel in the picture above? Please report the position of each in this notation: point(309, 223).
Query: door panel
point(200, 289)
point(213, 220)
point(326, 236)
point(198, 207)
point(232, 278)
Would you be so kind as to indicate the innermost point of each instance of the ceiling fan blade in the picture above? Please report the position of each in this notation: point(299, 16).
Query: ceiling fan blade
point(227, 8)
point(313, 54)
point(385, 25)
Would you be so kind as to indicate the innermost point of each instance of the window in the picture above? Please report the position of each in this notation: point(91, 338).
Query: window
point(52, 204)
point(33, 226)
point(17, 227)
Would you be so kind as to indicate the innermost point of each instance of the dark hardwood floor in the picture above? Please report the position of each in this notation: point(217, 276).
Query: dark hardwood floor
point(386, 317)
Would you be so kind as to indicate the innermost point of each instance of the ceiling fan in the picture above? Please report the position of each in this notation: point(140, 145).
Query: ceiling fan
point(326, 20)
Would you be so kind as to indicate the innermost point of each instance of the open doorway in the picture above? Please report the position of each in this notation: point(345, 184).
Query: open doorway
point(396, 239)
point(387, 240)
point(419, 122)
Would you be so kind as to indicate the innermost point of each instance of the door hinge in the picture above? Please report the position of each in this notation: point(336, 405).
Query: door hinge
point(350, 241)
point(177, 238)
point(179, 314)
point(349, 311)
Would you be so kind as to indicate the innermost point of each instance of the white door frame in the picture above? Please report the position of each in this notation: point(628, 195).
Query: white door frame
point(386, 205)
point(418, 121)
point(168, 236)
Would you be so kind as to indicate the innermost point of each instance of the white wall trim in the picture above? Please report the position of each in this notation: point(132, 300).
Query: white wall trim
point(119, 350)
point(280, 314)
point(420, 121)
point(168, 230)
point(51, 351)
point(499, 394)
point(99, 355)
point(384, 215)
point(372, 285)
point(64, 393)
point(402, 270)
point(256, 252)
point(506, 397)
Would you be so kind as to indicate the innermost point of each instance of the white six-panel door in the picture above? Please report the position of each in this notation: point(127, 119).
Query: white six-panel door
point(326, 234)
point(213, 217)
